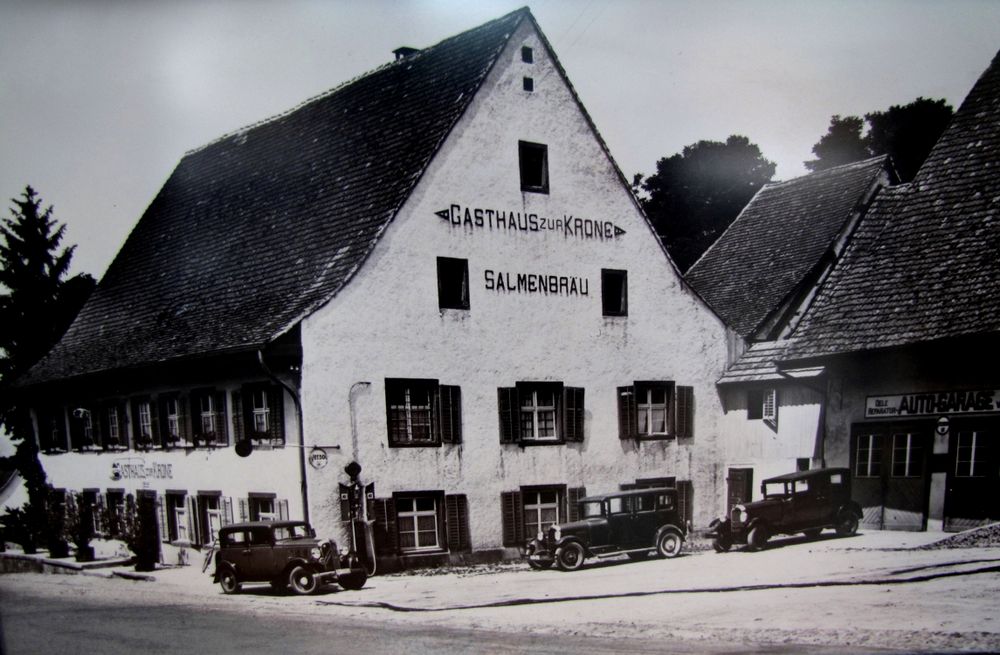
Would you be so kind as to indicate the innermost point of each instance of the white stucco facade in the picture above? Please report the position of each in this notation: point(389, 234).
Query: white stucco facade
point(386, 323)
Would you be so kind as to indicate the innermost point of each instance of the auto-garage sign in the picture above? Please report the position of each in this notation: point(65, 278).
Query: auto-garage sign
point(933, 403)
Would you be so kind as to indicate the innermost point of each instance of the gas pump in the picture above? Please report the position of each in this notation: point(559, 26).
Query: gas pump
point(358, 497)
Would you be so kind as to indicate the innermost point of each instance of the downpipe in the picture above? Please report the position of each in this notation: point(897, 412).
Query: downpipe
point(304, 487)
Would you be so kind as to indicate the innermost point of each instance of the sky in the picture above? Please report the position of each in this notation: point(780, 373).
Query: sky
point(100, 99)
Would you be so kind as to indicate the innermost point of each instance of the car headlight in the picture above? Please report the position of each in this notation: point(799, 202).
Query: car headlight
point(540, 536)
point(314, 553)
point(556, 532)
point(741, 514)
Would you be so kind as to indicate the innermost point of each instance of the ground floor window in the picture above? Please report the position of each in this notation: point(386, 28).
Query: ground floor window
point(529, 510)
point(417, 523)
point(178, 517)
point(907, 456)
point(868, 462)
point(541, 508)
point(971, 454)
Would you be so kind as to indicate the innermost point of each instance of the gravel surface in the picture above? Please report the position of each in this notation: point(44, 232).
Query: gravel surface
point(984, 537)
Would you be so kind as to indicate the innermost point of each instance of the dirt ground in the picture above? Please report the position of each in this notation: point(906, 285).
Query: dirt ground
point(878, 590)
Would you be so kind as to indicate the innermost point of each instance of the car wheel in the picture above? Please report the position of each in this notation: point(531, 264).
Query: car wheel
point(570, 557)
point(228, 582)
point(353, 580)
point(722, 543)
point(669, 544)
point(757, 538)
point(812, 534)
point(847, 523)
point(302, 581)
point(539, 565)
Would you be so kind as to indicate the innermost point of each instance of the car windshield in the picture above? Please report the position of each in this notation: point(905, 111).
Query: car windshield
point(775, 490)
point(284, 532)
point(590, 509)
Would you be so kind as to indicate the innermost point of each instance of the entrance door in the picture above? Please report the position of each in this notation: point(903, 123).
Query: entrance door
point(739, 488)
point(973, 479)
point(889, 464)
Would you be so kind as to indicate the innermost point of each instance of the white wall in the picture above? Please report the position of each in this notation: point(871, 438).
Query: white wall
point(386, 322)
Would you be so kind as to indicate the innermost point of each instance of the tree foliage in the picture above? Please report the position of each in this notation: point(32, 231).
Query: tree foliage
point(37, 301)
point(904, 132)
point(695, 194)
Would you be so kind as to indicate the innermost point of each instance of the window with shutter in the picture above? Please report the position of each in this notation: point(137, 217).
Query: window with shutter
point(411, 407)
point(263, 414)
point(769, 410)
point(573, 496)
point(450, 412)
point(513, 528)
point(112, 421)
point(84, 427)
point(208, 418)
point(684, 412)
point(574, 413)
point(384, 528)
point(457, 520)
point(509, 421)
point(627, 413)
point(144, 428)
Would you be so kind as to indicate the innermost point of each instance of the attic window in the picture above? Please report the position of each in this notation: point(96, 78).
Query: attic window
point(762, 404)
point(404, 52)
point(529, 84)
point(453, 283)
point(534, 162)
point(527, 55)
point(614, 292)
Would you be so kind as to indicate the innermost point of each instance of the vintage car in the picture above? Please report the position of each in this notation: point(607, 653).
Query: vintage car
point(285, 554)
point(806, 502)
point(627, 522)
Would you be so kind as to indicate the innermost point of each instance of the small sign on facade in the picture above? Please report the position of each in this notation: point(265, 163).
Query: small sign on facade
point(318, 458)
point(934, 403)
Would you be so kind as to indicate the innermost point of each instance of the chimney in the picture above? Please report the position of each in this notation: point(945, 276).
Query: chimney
point(404, 52)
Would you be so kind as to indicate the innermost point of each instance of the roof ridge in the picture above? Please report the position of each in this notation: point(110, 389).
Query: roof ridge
point(339, 87)
point(861, 163)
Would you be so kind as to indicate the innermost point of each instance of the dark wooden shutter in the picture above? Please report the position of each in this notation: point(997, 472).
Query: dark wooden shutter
point(384, 528)
point(238, 433)
point(276, 413)
point(573, 409)
point(450, 412)
point(684, 412)
point(573, 496)
point(685, 499)
point(510, 424)
point(513, 519)
point(222, 418)
point(457, 520)
point(161, 518)
point(627, 419)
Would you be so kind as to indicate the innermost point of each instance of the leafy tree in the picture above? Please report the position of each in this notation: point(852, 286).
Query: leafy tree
point(695, 194)
point(842, 144)
point(904, 132)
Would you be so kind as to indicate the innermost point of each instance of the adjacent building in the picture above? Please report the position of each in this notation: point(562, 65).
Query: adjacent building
point(436, 271)
point(760, 276)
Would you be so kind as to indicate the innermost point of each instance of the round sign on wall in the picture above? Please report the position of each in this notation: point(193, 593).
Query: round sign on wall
point(942, 426)
point(318, 458)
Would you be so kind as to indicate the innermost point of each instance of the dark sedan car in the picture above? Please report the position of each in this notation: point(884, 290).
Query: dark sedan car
point(284, 554)
point(627, 522)
point(806, 502)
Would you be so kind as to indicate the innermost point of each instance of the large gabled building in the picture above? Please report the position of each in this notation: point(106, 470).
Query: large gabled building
point(435, 271)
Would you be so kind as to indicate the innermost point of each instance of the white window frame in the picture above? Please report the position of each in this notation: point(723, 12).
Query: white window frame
point(531, 501)
point(113, 432)
point(873, 448)
point(257, 509)
point(414, 515)
point(181, 519)
point(409, 415)
point(977, 455)
point(209, 415)
point(645, 407)
point(769, 406)
point(261, 412)
point(532, 413)
point(908, 451)
point(145, 418)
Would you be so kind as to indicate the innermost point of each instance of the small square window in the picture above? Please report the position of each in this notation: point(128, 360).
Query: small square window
point(527, 55)
point(614, 292)
point(453, 283)
point(534, 163)
point(529, 84)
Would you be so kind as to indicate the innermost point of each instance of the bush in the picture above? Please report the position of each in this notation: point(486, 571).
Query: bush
point(21, 529)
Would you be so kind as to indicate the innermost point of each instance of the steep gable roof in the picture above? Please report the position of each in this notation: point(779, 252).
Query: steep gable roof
point(778, 239)
point(924, 263)
point(255, 230)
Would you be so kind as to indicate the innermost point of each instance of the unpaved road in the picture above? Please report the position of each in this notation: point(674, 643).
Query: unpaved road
point(862, 594)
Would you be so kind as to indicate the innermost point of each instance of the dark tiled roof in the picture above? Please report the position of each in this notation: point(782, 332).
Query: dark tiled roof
point(779, 237)
point(924, 263)
point(254, 231)
point(760, 364)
